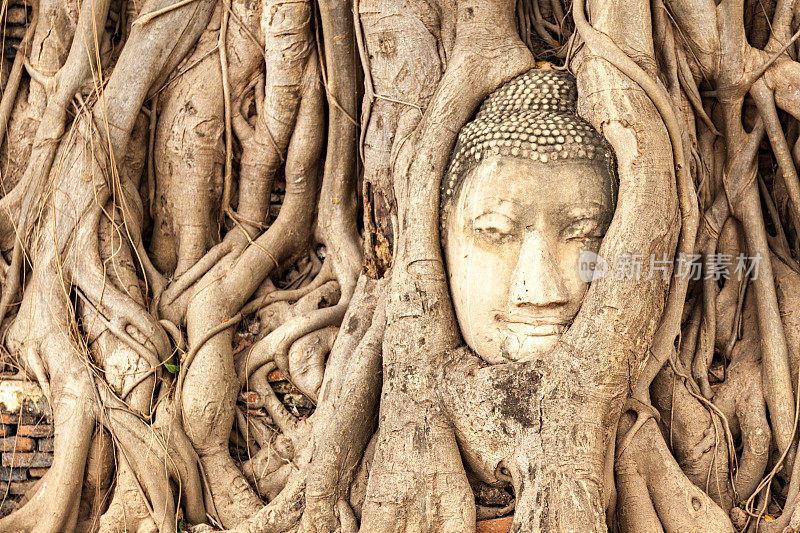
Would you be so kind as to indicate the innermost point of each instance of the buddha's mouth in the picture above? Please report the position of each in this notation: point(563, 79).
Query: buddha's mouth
point(535, 330)
point(532, 326)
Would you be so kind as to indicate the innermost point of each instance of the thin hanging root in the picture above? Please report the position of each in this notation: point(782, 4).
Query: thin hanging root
point(754, 76)
point(689, 336)
point(558, 13)
point(692, 92)
point(144, 19)
point(151, 165)
point(737, 320)
point(369, 88)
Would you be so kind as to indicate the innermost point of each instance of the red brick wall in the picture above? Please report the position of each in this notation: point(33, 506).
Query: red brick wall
point(26, 440)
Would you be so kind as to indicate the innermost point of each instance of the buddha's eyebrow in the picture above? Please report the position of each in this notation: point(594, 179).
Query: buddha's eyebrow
point(498, 205)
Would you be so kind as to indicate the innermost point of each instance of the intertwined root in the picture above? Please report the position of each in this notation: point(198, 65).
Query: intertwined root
point(220, 104)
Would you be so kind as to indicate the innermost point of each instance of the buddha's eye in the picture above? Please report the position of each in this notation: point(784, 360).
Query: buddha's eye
point(582, 230)
point(494, 226)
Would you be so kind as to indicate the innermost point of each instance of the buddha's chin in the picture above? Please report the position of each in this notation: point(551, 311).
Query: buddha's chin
point(519, 348)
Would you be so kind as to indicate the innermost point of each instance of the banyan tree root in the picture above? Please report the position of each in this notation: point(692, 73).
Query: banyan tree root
point(315, 477)
point(189, 151)
point(43, 333)
point(147, 283)
point(225, 288)
point(654, 493)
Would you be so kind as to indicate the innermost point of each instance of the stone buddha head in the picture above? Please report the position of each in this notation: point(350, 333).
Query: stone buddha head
point(530, 188)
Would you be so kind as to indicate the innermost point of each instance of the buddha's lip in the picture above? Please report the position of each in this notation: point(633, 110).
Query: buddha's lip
point(535, 330)
point(528, 320)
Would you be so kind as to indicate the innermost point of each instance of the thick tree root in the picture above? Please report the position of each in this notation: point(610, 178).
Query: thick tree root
point(128, 510)
point(646, 467)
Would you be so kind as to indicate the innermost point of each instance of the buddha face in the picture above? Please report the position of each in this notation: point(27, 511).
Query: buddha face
point(513, 236)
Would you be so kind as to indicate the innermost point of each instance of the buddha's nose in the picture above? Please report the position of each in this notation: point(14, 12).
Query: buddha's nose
point(536, 280)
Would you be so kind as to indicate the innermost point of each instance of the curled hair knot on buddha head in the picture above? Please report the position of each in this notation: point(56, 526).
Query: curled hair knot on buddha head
point(531, 117)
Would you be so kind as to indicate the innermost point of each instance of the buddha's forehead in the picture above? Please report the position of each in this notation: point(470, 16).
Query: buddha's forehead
point(500, 180)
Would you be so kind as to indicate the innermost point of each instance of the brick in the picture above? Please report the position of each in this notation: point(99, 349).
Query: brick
point(19, 444)
point(46, 444)
point(36, 431)
point(18, 488)
point(32, 419)
point(13, 474)
point(34, 411)
point(16, 15)
point(9, 418)
point(252, 399)
point(498, 525)
point(6, 430)
point(37, 472)
point(27, 459)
